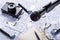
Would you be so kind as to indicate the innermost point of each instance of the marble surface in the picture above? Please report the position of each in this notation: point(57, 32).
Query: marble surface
point(25, 23)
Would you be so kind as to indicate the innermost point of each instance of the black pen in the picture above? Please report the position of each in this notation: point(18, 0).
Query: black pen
point(37, 36)
point(23, 8)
